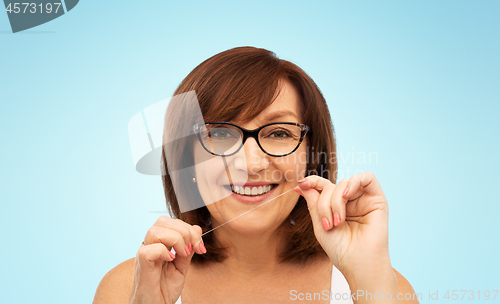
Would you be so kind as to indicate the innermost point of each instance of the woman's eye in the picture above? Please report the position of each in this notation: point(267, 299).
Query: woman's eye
point(280, 134)
point(220, 133)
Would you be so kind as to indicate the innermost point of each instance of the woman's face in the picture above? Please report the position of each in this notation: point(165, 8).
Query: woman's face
point(252, 167)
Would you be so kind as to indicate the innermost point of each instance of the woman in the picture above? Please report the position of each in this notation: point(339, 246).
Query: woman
point(314, 243)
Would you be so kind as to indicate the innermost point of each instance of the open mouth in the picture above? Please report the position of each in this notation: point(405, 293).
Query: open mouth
point(253, 190)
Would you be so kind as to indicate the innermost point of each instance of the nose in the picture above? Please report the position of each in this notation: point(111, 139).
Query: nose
point(251, 158)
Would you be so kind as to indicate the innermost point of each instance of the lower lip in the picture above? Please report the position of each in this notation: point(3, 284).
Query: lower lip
point(253, 199)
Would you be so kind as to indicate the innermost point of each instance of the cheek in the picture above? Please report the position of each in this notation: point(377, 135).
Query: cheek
point(213, 172)
point(207, 167)
point(211, 177)
point(207, 171)
point(292, 167)
point(207, 174)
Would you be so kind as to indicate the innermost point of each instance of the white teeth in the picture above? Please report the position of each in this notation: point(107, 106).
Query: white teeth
point(251, 191)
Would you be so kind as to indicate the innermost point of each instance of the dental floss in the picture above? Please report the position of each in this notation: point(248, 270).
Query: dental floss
point(241, 215)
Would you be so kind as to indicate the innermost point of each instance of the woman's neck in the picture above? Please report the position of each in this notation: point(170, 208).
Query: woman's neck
point(251, 254)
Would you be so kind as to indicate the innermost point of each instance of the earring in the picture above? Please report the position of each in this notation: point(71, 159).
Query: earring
point(292, 222)
point(194, 179)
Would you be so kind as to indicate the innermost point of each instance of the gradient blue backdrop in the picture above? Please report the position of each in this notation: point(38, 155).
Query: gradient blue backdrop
point(416, 82)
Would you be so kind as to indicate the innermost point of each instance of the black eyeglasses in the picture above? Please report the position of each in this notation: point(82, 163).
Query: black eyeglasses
point(275, 139)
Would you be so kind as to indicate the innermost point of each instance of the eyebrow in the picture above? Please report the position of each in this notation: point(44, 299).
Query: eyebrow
point(279, 114)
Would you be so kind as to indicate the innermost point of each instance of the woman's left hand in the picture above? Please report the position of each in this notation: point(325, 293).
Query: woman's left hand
point(350, 220)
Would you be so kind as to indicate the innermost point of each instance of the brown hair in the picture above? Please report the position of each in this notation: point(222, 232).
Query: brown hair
point(243, 81)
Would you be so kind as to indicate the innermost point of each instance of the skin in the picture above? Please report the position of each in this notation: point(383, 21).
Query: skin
point(357, 245)
point(351, 223)
point(248, 235)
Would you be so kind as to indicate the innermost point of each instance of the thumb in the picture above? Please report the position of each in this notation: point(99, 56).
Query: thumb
point(311, 196)
point(182, 263)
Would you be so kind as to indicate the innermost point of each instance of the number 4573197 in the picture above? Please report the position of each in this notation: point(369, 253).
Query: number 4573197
point(471, 294)
point(17, 8)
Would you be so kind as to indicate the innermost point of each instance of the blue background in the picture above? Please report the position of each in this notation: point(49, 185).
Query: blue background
point(416, 82)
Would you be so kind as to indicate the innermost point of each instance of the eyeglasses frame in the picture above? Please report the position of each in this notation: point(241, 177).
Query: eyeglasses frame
point(253, 134)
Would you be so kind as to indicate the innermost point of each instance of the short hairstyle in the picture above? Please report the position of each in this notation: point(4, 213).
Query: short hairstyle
point(244, 81)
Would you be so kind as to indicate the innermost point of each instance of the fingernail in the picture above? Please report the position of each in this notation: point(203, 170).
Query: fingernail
point(326, 224)
point(336, 219)
point(171, 255)
point(298, 191)
point(345, 191)
point(302, 180)
point(188, 252)
point(190, 247)
point(202, 248)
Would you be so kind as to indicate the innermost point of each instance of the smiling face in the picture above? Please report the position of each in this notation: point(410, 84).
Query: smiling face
point(257, 171)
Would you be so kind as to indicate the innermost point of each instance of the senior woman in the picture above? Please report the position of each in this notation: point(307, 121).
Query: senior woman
point(324, 242)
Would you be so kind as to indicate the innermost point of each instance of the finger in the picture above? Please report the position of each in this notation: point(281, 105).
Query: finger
point(324, 206)
point(168, 237)
point(182, 263)
point(197, 240)
point(308, 188)
point(311, 196)
point(312, 187)
point(201, 246)
point(176, 224)
point(184, 229)
point(148, 260)
point(366, 182)
point(163, 220)
point(149, 256)
point(314, 181)
point(338, 203)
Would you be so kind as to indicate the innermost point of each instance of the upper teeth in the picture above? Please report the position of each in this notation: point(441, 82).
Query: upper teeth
point(251, 190)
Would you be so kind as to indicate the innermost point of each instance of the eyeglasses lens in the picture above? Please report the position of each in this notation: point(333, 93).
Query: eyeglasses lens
point(277, 139)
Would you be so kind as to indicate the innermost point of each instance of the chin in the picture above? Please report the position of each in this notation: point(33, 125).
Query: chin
point(253, 224)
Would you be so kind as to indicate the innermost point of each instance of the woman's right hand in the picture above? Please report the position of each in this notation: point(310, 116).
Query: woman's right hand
point(159, 274)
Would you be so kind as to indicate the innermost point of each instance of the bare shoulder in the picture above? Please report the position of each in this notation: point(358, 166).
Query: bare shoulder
point(404, 287)
point(116, 285)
